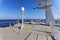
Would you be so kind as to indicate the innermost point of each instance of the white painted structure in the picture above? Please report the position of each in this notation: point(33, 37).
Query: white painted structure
point(22, 10)
point(49, 17)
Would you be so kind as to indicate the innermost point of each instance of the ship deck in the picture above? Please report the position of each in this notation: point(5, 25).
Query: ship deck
point(29, 32)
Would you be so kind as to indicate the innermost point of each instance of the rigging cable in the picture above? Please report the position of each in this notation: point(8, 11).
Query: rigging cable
point(56, 7)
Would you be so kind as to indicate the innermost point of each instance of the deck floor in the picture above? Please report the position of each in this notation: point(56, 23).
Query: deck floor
point(39, 33)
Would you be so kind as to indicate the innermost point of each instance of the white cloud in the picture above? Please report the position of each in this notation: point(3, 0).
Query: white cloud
point(56, 16)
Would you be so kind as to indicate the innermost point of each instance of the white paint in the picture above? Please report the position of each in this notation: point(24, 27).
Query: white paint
point(22, 9)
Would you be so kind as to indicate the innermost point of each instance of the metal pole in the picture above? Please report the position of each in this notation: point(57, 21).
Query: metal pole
point(22, 20)
point(50, 18)
point(10, 24)
point(22, 9)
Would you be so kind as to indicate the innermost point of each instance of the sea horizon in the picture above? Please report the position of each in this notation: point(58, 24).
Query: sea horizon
point(7, 22)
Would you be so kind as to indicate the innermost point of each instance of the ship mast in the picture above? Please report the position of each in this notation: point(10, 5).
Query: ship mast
point(22, 11)
point(48, 11)
point(47, 7)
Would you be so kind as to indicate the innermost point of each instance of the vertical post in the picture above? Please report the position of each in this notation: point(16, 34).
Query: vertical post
point(22, 10)
point(10, 24)
point(49, 16)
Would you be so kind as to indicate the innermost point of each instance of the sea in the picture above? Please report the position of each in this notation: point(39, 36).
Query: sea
point(7, 22)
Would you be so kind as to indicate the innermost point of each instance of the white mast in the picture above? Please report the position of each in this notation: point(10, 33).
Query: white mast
point(49, 17)
point(22, 11)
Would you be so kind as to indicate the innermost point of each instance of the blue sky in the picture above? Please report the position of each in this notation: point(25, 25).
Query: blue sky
point(11, 9)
